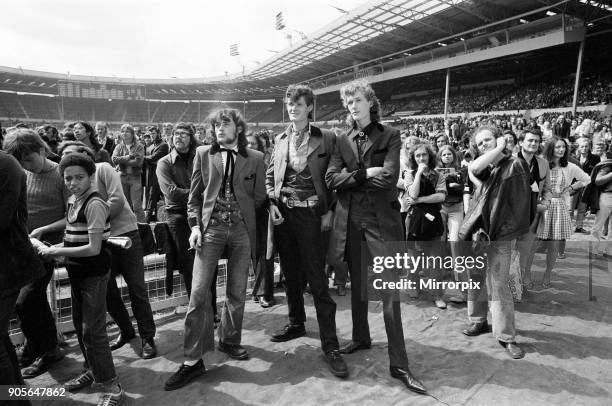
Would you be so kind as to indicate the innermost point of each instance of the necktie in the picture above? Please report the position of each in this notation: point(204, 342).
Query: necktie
point(299, 138)
point(228, 184)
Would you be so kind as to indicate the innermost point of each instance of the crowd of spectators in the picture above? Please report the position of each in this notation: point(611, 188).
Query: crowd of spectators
point(541, 95)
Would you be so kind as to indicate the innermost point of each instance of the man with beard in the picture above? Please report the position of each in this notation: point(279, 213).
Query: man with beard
point(227, 186)
point(174, 176)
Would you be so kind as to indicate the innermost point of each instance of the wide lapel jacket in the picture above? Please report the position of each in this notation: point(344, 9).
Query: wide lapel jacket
point(248, 181)
point(321, 145)
point(379, 192)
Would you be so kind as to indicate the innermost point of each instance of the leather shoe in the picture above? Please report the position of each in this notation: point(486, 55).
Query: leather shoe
point(43, 363)
point(336, 363)
point(404, 375)
point(289, 332)
point(265, 302)
point(149, 350)
point(184, 375)
point(121, 341)
point(513, 349)
point(476, 329)
point(235, 351)
point(353, 346)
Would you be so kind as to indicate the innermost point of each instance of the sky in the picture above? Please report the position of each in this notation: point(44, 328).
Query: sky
point(153, 38)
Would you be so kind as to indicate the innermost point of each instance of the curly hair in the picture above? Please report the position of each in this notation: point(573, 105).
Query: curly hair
point(84, 161)
point(432, 159)
point(80, 148)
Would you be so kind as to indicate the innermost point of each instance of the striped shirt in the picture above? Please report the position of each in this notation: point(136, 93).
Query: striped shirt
point(86, 215)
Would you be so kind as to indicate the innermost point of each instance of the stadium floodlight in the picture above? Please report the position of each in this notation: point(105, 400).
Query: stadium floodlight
point(234, 50)
point(597, 4)
point(280, 24)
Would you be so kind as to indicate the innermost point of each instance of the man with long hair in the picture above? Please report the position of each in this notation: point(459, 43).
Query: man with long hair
point(227, 186)
point(364, 170)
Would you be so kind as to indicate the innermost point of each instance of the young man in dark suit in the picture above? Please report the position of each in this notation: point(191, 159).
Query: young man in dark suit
point(300, 211)
point(227, 185)
point(364, 170)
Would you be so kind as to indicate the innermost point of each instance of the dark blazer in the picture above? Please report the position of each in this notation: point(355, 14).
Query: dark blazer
point(380, 192)
point(589, 163)
point(562, 130)
point(501, 206)
point(109, 145)
point(320, 148)
point(153, 154)
point(249, 187)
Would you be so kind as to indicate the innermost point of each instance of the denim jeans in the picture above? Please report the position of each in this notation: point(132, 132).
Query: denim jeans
point(199, 321)
point(452, 217)
point(301, 248)
point(580, 208)
point(132, 189)
point(495, 293)
point(37, 323)
point(89, 318)
point(129, 264)
point(527, 245)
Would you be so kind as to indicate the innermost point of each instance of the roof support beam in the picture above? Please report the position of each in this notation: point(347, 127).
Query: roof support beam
point(363, 38)
point(412, 14)
point(467, 11)
point(372, 24)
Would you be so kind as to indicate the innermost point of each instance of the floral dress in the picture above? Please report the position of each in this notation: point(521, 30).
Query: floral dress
point(556, 224)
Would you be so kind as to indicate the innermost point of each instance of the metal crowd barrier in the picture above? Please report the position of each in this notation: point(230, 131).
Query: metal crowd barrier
point(59, 295)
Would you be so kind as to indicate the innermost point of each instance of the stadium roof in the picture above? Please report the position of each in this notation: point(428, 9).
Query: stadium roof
point(378, 29)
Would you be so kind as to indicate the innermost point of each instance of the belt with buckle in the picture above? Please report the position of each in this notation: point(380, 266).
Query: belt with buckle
point(290, 202)
point(226, 217)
